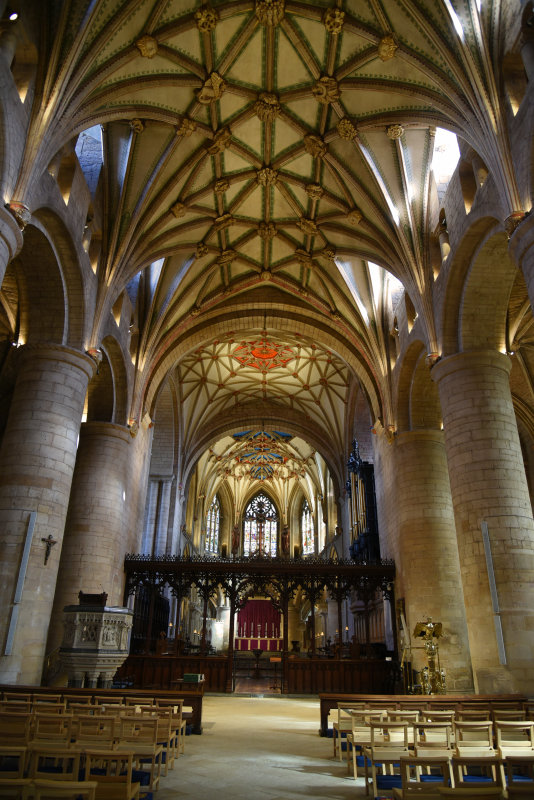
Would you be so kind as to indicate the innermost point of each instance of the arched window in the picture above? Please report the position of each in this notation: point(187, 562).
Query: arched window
point(213, 523)
point(260, 527)
point(306, 527)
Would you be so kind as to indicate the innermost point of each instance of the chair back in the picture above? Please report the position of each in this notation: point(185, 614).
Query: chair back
point(113, 771)
point(492, 793)
point(432, 736)
point(16, 789)
point(14, 728)
point(12, 762)
point(51, 727)
point(413, 767)
point(473, 734)
point(60, 763)
point(95, 730)
point(67, 790)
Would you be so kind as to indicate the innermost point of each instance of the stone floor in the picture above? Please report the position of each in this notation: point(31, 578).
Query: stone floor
point(259, 748)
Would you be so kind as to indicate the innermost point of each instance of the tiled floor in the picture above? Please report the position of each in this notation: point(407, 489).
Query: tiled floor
point(264, 748)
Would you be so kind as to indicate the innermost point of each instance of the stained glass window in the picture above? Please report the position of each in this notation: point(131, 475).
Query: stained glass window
point(306, 524)
point(260, 527)
point(213, 522)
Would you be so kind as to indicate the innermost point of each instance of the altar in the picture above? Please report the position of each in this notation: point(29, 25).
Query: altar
point(258, 627)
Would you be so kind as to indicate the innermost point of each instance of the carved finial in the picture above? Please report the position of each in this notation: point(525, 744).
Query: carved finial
point(314, 190)
point(212, 89)
point(308, 226)
point(179, 210)
point(314, 145)
point(333, 19)
point(267, 230)
point(347, 129)
point(220, 142)
point(137, 125)
point(226, 257)
point(221, 186)
point(387, 47)
point(186, 127)
point(270, 12)
point(326, 90)
point(354, 217)
point(206, 19)
point(267, 106)
point(394, 131)
point(147, 46)
point(266, 176)
point(224, 221)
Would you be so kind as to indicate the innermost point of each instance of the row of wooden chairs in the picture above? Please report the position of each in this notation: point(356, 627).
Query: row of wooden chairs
point(95, 774)
point(345, 712)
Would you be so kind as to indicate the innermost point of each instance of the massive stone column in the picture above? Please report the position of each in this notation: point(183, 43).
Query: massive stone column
point(428, 567)
point(36, 466)
point(494, 524)
point(94, 544)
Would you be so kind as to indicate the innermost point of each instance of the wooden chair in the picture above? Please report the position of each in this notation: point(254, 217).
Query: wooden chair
point(139, 735)
point(520, 776)
point(514, 738)
point(67, 790)
point(433, 739)
point(16, 706)
point(167, 737)
point(43, 697)
point(49, 708)
point(438, 715)
point(19, 697)
point(473, 715)
point(139, 701)
point(476, 772)
point(113, 774)
point(16, 788)
point(51, 729)
point(343, 724)
point(422, 776)
point(474, 738)
point(389, 743)
point(95, 731)
point(178, 720)
point(508, 714)
point(360, 737)
point(493, 793)
point(14, 728)
point(60, 764)
point(12, 761)
point(78, 699)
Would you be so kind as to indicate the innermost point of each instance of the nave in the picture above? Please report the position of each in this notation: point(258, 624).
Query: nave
point(259, 748)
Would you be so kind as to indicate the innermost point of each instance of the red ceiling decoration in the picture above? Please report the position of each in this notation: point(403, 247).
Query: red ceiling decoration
point(263, 355)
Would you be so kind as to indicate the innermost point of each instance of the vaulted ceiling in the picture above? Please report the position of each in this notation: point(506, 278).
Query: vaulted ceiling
point(269, 154)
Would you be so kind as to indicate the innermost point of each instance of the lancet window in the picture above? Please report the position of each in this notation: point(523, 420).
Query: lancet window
point(213, 523)
point(260, 527)
point(306, 526)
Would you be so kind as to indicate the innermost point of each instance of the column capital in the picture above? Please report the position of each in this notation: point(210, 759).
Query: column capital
point(99, 428)
point(470, 360)
point(48, 351)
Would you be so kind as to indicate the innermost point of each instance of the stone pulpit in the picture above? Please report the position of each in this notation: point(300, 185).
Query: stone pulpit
point(95, 640)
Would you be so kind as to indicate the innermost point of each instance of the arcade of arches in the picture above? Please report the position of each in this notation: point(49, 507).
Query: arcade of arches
point(234, 238)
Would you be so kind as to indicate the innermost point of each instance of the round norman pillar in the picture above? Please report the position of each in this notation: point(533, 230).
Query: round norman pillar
point(428, 570)
point(94, 544)
point(494, 524)
point(37, 460)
